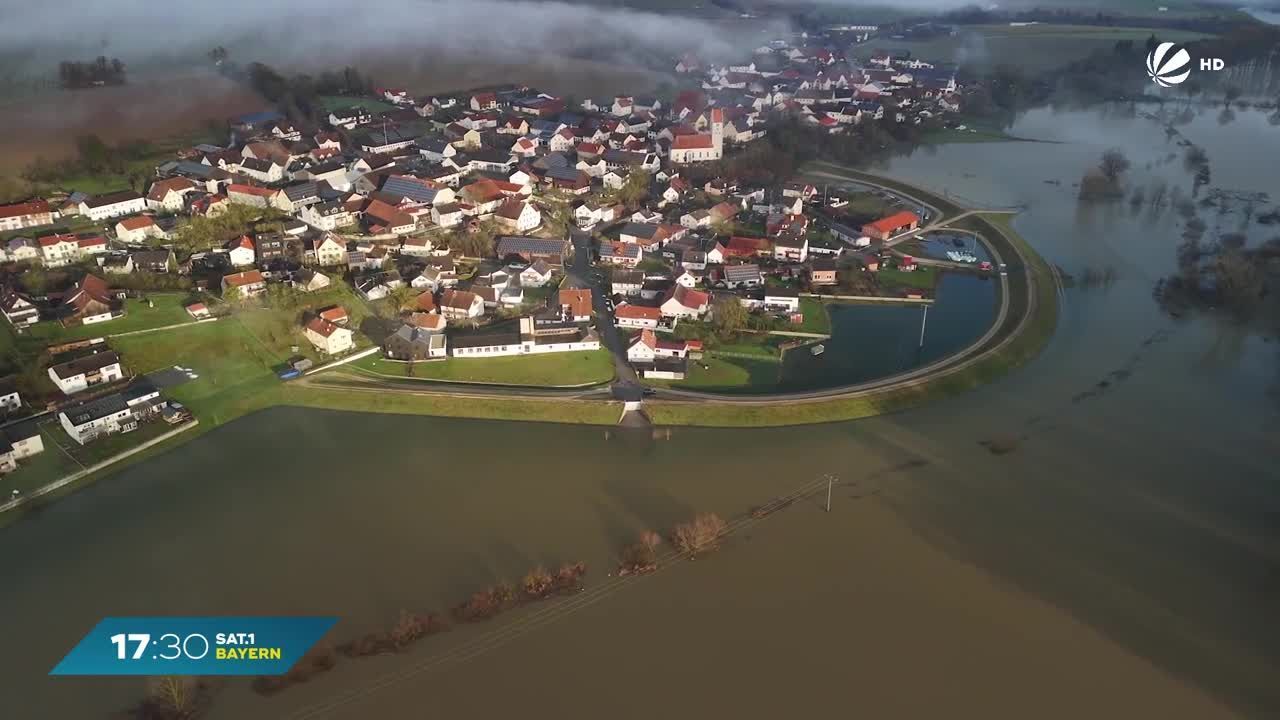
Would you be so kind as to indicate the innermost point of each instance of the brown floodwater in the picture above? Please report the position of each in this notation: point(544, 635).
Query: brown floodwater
point(1117, 558)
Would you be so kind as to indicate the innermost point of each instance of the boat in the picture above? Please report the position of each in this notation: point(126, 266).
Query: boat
point(817, 350)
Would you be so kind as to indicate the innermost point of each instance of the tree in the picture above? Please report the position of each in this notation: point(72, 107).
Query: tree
point(728, 316)
point(1113, 164)
point(476, 241)
point(1230, 95)
point(172, 696)
point(635, 189)
point(232, 294)
point(398, 298)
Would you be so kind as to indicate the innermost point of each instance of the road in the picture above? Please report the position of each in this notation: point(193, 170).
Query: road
point(626, 386)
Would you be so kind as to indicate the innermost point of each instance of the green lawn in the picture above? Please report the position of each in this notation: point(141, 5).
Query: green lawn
point(572, 368)
point(924, 277)
point(168, 310)
point(727, 375)
point(816, 317)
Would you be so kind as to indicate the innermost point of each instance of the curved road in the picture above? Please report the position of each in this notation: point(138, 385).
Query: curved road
point(627, 387)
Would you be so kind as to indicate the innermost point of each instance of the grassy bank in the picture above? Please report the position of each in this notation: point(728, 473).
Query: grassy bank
point(817, 319)
point(1021, 349)
point(588, 367)
point(165, 309)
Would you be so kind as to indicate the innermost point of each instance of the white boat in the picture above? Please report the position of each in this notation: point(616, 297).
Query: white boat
point(817, 350)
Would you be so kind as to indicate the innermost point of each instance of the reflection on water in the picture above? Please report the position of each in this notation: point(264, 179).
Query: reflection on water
point(872, 341)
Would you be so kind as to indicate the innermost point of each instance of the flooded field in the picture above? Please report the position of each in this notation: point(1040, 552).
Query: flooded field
point(1092, 535)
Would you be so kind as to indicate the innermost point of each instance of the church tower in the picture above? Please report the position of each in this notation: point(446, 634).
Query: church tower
point(717, 132)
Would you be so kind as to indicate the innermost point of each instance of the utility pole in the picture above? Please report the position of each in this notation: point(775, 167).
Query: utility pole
point(830, 479)
point(924, 319)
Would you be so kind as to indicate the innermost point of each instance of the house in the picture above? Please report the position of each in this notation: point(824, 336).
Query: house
point(575, 305)
point(328, 251)
point(240, 251)
point(328, 216)
point(647, 348)
point(723, 212)
point(247, 283)
point(116, 263)
point(21, 249)
point(531, 249)
point(266, 170)
point(137, 229)
point(349, 117)
point(10, 399)
point(461, 305)
point(381, 218)
point(791, 248)
point(536, 275)
point(18, 442)
point(822, 272)
point(517, 215)
point(411, 343)
point(328, 337)
point(696, 219)
point(89, 301)
point(18, 308)
point(682, 302)
point(626, 282)
point(627, 315)
point(33, 213)
point(484, 101)
point(85, 372)
point(742, 276)
point(310, 281)
point(198, 311)
point(447, 215)
point(249, 195)
point(113, 204)
point(620, 253)
point(887, 227)
point(114, 413)
point(782, 299)
point(156, 261)
point(58, 250)
point(747, 247)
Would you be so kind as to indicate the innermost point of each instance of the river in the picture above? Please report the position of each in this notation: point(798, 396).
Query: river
point(1122, 559)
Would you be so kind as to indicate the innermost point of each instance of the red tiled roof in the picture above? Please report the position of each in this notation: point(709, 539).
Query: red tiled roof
point(321, 327)
point(240, 279)
point(137, 223)
point(691, 142)
point(337, 313)
point(578, 301)
point(627, 311)
point(250, 190)
point(34, 207)
point(458, 299)
point(51, 240)
point(894, 221)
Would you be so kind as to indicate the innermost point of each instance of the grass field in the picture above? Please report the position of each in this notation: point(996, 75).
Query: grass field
point(1032, 48)
point(166, 309)
point(550, 369)
point(816, 317)
point(924, 277)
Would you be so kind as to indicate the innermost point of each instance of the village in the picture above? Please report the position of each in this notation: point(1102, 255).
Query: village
point(498, 235)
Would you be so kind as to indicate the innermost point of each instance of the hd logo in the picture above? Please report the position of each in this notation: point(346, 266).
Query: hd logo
point(1169, 65)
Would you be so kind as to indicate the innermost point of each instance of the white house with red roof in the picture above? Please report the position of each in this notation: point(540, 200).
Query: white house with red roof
point(249, 283)
point(58, 250)
point(240, 251)
point(647, 347)
point(328, 337)
point(700, 147)
point(683, 302)
point(137, 229)
point(627, 315)
point(17, 216)
point(249, 195)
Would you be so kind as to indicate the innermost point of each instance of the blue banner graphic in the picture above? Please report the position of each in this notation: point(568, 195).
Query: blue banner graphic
point(194, 646)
